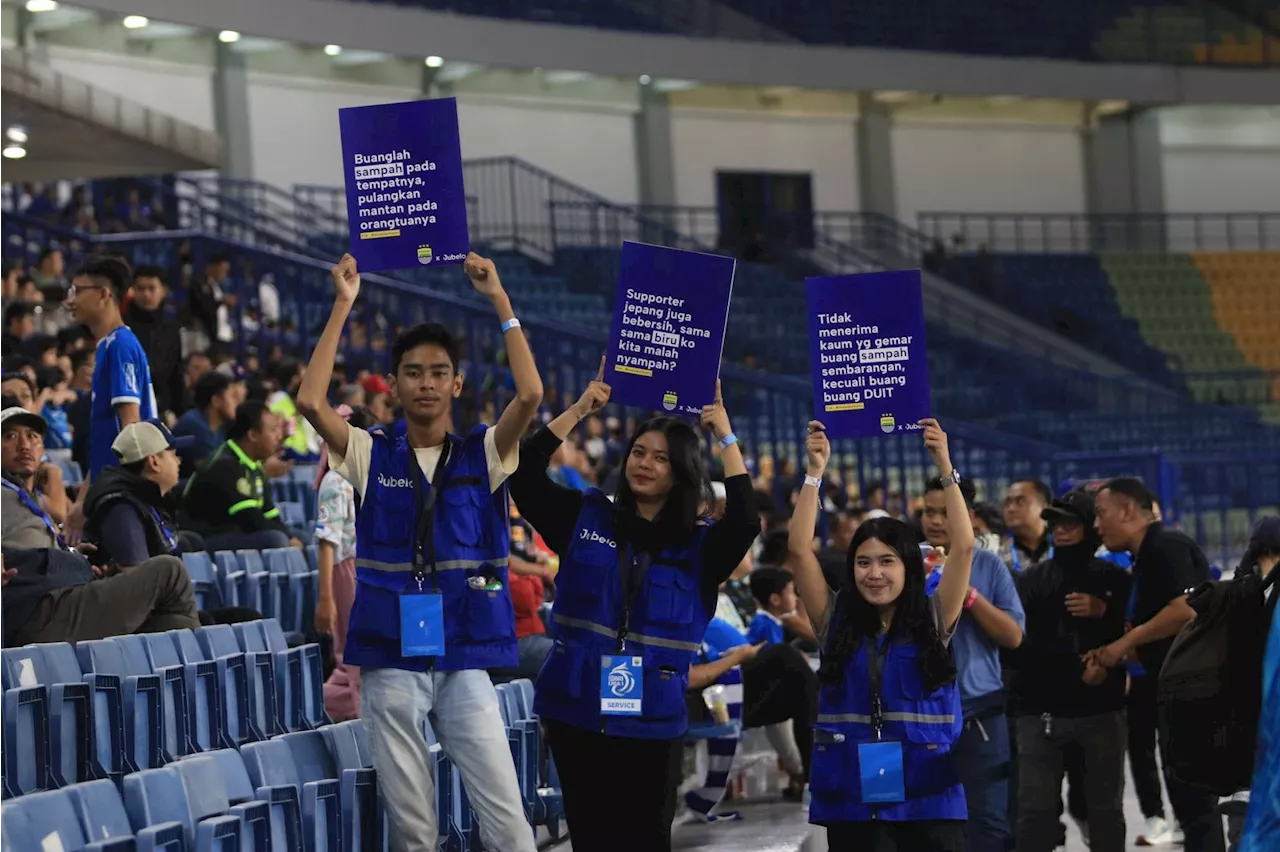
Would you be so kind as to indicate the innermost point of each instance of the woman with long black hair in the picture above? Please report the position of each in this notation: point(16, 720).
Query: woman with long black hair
point(888, 707)
point(637, 585)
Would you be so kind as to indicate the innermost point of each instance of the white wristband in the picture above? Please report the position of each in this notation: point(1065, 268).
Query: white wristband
point(815, 481)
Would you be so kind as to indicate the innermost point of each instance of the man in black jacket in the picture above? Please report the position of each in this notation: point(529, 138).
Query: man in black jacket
point(158, 332)
point(1074, 603)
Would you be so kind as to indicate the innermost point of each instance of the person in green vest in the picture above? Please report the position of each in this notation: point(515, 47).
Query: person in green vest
point(301, 442)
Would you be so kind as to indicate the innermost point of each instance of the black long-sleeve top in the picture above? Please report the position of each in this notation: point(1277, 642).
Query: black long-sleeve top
point(553, 511)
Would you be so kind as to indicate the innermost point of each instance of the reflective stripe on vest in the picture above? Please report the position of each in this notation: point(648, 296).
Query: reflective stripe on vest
point(448, 565)
point(612, 633)
point(889, 716)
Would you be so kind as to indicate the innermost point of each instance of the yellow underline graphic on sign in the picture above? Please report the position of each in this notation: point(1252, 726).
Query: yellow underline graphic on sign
point(845, 406)
point(635, 371)
point(377, 235)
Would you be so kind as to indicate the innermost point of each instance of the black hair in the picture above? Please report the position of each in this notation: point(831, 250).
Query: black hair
point(80, 356)
point(285, 371)
point(690, 487)
point(19, 377)
point(8, 400)
point(1131, 487)
point(217, 257)
point(774, 550)
point(16, 364)
point(17, 311)
point(46, 254)
point(764, 502)
point(768, 581)
point(72, 335)
point(856, 621)
point(149, 271)
point(1044, 492)
point(208, 386)
point(113, 270)
point(362, 418)
point(248, 417)
point(991, 516)
point(967, 489)
point(428, 333)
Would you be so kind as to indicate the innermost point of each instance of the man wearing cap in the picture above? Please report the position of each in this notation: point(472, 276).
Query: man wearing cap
point(53, 594)
point(377, 398)
point(128, 515)
point(1074, 603)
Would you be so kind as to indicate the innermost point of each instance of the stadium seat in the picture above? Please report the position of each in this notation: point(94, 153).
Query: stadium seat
point(102, 816)
point(204, 580)
point(208, 781)
point(25, 741)
point(190, 705)
point(218, 642)
point(128, 692)
point(360, 816)
point(48, 822)
point(231, 676)
point(296, 587)
point(267, 591)
point(156, 796)
point(308, 810)
point(69, 723)
point(241, 586)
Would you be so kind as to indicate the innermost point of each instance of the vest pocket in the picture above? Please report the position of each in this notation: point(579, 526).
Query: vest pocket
point(561, 676)
point(672, 596)
point(664, 689)
point(829, 773)
point(464, 509)
point(394, 521)
point(490, 615)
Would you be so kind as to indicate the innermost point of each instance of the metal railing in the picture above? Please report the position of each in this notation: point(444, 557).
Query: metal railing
point(1070, 233)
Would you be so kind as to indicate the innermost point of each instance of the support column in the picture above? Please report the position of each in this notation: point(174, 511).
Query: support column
point(1124, 174)
point(655, 168)
point(877, 190)
point(231, 111)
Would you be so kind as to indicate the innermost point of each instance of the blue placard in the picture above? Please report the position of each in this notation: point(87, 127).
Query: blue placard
point(669, 317)
point(621, 686)
point(421, 624)
point(867, 353)
point(880, 768)
point(405, 202)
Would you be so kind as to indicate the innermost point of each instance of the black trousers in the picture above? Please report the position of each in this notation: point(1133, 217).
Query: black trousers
point(619, 793)
point(929, 835)
point(1141, 707)
point(779, 685)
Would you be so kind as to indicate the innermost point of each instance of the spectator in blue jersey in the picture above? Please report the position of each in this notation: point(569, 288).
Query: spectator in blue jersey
point(775, 592)
point(993, 620)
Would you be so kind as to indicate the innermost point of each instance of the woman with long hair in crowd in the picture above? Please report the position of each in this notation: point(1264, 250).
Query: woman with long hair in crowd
point(889, 706)
point(638, 583)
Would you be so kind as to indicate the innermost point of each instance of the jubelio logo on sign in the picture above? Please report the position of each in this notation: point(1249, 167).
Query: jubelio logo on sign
point(406, 205)
point(867, 353)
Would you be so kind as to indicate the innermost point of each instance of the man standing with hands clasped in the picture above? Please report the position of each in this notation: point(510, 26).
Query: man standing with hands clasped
point(432, 607)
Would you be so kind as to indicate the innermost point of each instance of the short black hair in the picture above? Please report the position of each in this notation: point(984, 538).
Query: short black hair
point(17, 311)
point(149, 271)
point(362, 418)
point(1043, 491)
point(967, 489)
point(111, 269)
point(774, 550)
point(284, 372)
point(991, 516)
point(427, 334)
point(73, 334)
point(18, 376)
point(8, 400)
point(1134, 489)
point(208, 386)
point(79, 357)
point(768, 581)
point(16, 364)
point(217, 257)
point(248, 417)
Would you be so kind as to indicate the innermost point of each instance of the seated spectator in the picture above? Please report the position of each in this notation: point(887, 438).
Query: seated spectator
point(228, 502)
point(216, 398)
point(30, 469)
point(775, 592)
point(19, 324)
point(53, 594)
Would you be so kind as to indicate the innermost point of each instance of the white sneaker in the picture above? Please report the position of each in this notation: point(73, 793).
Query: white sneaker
point(1083, 826)
point(1155, 832)
point(1176, 837)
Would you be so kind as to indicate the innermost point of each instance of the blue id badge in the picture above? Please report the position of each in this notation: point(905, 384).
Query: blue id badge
point(421, 624)
point(881, 765)
point(621, 686)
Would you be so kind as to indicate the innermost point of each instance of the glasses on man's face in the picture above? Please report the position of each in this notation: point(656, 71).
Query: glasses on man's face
point(78, 288)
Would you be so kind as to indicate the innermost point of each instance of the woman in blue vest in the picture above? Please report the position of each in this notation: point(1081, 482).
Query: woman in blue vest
point(637, 585)
point(889, 707)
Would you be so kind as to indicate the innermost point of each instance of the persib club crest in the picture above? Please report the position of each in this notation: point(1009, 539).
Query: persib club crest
point(886, 423)
point(424, 255)
point(669, 400)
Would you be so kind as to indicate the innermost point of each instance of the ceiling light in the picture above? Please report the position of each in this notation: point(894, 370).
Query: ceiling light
point(645, 79)
point(14, 152)
point(228, 36)
point(135, 22)
point(16, 133)
point(434, 61)
point(41, 5)
point(332, 49)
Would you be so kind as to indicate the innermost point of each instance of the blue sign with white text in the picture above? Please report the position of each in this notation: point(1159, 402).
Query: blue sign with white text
point(406, 205)
point(867, 352)
point(669, 318)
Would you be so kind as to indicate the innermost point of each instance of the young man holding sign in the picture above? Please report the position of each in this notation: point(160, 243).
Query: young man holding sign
point(432, 609)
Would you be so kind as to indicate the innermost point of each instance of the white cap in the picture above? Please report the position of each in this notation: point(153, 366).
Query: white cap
point(17, 416)
point(138, 441)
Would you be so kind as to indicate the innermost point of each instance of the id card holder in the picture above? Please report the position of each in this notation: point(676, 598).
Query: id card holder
point(881, 769)
point(421, 624)
point(621, 686)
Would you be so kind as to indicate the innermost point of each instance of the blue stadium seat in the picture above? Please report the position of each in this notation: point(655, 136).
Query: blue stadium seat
point(102, 816)
point(129, 693)
point(68, 728)
point(156, 796)
point(296, 586)
point(107, 726)
point(241, 586)
point(205, 781)
point(190, 722)
point(25, 740)
point(522, 736)
point(310, 669)
point(204, 580)
point(235, 718)
point(292, 513)
point(275, 588)
point(360, 817)
point(48, 821)
point(312, 808)
point(219, 641)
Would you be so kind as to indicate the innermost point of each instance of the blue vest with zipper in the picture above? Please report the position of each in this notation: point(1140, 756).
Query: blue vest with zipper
point(667, 622)
point(926, 723)
point(472, 539)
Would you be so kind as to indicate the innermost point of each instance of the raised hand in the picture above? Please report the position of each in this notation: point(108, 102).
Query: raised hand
point(483, 275)
point(714, 417)
point(817, 449)
point(595, 396)
point(935, 441)
point(346, 279)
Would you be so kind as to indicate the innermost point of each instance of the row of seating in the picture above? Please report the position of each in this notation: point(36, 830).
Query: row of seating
point(281, 583)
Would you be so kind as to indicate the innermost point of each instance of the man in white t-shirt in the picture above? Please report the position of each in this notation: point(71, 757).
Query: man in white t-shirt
point(432, 607)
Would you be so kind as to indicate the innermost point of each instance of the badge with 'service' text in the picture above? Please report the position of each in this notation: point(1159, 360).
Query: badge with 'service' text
point(621, 686)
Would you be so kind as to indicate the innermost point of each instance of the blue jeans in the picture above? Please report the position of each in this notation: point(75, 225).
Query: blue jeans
point(981, 757)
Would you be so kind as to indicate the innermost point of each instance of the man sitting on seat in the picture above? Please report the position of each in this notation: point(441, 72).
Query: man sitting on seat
point(53, 594)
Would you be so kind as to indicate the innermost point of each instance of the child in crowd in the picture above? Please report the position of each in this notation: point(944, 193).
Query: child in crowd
point(775, 591)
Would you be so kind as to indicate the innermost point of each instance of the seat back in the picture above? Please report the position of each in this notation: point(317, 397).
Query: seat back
point(235, 778)
point(524, 692)
point(202, 780)
point(43, 821)
point(218, 640)
point(251, 561)
point(100, 810)
point(153, 796)
point(270, 764)
point(60, 662)
point(276, 560)
point(105, 656)
point(311, 756)
point(343, 741)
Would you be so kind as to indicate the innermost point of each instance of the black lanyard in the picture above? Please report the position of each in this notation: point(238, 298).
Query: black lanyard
point(632, 569)
point(875, 667)
point(425, 540)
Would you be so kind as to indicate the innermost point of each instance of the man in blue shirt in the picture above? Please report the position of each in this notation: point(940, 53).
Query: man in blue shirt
point(122, 392)
point(993, 619)
point(775, 593)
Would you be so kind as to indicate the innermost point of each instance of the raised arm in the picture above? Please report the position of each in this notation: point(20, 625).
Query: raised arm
point(313, 395)
point(954, 587)
point(520, 412)
point(810, 583)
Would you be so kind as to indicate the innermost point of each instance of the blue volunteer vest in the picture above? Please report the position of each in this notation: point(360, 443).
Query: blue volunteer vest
point(927, 725)
point(471, 541)
point(666, 626)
